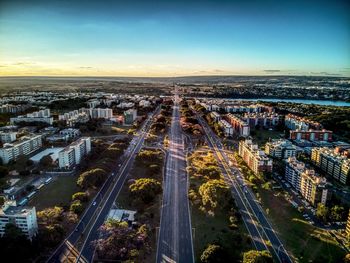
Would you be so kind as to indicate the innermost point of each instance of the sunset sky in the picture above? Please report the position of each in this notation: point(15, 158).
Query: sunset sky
point(174, 38)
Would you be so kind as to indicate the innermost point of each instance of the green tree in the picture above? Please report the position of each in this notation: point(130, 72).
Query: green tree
point(81, 196)
point(146, 189)
point(2, 200)
point(76, 207)
point(214, 254)
point(337, 213)
point(215, 194)
point(347, 258)
point(92, 178)
point(322, 212)
point(254, 256)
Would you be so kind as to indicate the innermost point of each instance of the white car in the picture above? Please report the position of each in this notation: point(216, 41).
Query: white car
point(94, 203)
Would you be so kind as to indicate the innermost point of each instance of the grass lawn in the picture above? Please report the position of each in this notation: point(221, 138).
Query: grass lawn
point(262, 136)
point(58, 192)
point(208, 230)
point(306, 242)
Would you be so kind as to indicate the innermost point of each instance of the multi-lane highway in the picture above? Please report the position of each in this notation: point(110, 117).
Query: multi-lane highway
point(77, 246)
point(252, 213)
point(175, 233)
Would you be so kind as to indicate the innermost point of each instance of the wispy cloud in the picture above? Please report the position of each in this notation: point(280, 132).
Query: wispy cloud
point(86, 67)
point(272, 70)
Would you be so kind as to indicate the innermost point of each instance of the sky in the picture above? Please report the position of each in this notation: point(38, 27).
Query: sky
point(174, 38)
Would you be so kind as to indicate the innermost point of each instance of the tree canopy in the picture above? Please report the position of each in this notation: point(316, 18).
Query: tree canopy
point(254, 256)
point(146, 189)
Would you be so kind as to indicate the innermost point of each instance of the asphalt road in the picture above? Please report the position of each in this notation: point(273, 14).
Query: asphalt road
point(252, 213)
point(77, 247)
point(175, 233)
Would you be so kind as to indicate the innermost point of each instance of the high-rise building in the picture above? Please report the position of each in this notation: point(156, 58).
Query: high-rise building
point(332, 163)
point(23, 217)
point(256, 159)
point(37, 116)
point(7, 137)
point(25, 146)
point(315, 189)
point(294, 122)
point(72, 154)
point(240, 126)
point(130, 116)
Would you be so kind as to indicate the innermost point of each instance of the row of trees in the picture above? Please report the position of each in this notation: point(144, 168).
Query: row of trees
point(335, 213)
point(189, 123)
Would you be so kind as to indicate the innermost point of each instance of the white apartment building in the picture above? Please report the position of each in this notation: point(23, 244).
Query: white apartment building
point(228, 129)
point(37, 116)
point(130, 116)
point(97, 113)
point(333, 164)
point(23, 217)
point(72, 154)
point(7, 137)
point(315, 189)
point(294, 169)
point(25, 146)
point(280, 148)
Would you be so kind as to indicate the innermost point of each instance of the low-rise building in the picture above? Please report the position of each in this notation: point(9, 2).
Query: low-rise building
point(23, 217)
point(24, 146)
point(280, 148)
point(311, 135)
point(256, 159)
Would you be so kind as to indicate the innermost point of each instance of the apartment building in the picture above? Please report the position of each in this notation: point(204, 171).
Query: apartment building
point(240, 126)
point(294, 169)
point(24, 146)
point(216, 116)
point(242, 109)
point(72, 154)
point(348, 226)
point(70, 133)
point(10, 108)
point(311, 135)
point(130, 116)
point(256, 159)
point(280, 148)
point(294, 122)
point(7, 137)
point(227, 127)
point(37, 116)
point(97, 113)
point(23, 217)
point(262, 119)
point(313, 188)
point(335, 165)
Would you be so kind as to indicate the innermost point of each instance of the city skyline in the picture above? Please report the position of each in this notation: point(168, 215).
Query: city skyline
point(168, 38)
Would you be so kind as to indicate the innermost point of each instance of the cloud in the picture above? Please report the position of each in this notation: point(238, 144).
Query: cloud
point(86, 67)
point(23, 63)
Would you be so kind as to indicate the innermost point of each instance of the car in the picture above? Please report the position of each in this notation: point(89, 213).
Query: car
point(94, 203)
point(76, 230)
